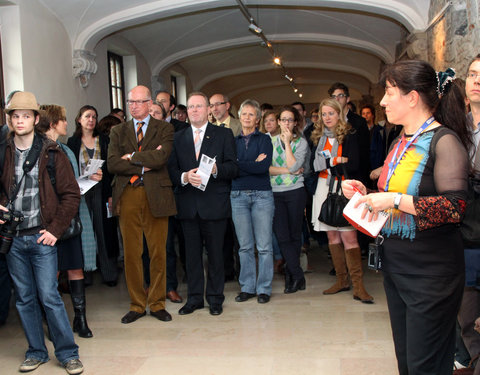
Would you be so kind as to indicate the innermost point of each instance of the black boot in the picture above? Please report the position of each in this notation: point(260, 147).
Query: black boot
point(288, 279)
point(77, 292)
point(296, 285)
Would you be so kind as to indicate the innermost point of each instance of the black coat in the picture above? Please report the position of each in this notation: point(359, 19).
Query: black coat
point(214, 202)
point(363, 138)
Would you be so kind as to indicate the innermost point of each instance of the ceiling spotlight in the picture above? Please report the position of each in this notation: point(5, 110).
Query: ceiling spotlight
point(288, 77)
point(254, 28)
point(295, 90)
point(277, 61)
point(300, 95)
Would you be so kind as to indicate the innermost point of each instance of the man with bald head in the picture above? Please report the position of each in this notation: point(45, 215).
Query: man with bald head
point(219, 105)
point(143, 197)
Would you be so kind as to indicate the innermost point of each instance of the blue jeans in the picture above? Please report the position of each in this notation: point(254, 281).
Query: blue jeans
point(252, 214)
point(33, 268)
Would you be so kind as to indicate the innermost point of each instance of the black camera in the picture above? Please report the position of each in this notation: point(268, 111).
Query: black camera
point(7, 229)
point(375, 252)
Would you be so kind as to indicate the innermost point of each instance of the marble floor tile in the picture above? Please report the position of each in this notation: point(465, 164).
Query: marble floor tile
point(302, 333)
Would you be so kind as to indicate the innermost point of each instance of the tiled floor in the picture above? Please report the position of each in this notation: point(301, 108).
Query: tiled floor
point(301, 333)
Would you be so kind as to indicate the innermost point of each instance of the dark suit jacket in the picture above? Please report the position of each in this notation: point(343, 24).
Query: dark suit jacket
point(158, 186)
point(178, 125)
point(214, 202)
point(360, 125)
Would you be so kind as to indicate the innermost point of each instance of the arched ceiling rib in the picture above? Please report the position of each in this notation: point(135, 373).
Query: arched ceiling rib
point(210, 41)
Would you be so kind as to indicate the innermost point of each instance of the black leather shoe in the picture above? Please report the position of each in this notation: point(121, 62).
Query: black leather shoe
point(188, 309)
point(244, 296)
point(162, 315)
point(131, 316)
point(263, 298)
point(216, 309)
point(111, 284)
point(296, 285)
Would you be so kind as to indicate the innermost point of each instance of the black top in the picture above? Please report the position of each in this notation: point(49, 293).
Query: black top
point(435, 171)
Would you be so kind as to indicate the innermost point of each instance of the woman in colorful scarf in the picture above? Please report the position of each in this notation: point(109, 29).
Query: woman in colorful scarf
point(290, 154)
point(423, 185)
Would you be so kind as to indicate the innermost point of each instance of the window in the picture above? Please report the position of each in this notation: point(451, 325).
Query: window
point(173, 82)
point(116, 81)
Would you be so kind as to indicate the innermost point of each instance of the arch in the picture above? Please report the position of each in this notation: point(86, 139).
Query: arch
point(405, 12)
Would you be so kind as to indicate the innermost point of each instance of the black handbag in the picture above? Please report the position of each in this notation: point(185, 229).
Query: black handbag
point(470, 227)
point(73, 230)
point(332, 209)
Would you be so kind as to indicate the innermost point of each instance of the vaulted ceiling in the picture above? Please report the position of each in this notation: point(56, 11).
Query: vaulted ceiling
point(319, 41)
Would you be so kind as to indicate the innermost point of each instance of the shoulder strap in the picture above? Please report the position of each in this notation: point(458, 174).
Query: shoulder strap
point(3, 146)
point(51, 169)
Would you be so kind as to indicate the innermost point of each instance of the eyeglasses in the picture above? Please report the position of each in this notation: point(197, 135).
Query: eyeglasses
point(196, 106)
point(217, 104)
point(339, 96)
point(287, 120)
point(473, 75)
point(137, 102)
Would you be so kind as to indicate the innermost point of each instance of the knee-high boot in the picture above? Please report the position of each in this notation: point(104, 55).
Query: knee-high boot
point(77, 292)
point(338, 259)
point(354, 264)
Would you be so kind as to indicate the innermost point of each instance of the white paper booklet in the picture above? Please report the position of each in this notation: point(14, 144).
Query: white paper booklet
point(92, 167)
point(205, 170)
point(354, 217)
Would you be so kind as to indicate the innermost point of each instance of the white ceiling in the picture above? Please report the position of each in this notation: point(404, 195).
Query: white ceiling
point(319, 41)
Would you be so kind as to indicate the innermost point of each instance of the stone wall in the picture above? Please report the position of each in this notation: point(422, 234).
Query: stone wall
point(455, 39)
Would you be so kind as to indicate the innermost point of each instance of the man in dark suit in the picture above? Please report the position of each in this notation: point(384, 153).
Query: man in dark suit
point(143, 197)
point(203, 214)
point(169, 103)
point(341, 94)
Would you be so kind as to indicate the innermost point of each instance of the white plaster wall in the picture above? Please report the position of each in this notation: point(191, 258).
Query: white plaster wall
point(11, 48)
point(98, 89)
point(37, 57)
point(47, 59)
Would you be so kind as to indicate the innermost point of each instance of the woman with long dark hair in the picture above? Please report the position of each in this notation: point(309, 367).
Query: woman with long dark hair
point(87, 143)
point(423, 185)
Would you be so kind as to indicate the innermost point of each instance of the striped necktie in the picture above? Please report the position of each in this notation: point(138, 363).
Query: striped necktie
point(136, 180)
point(197, 142)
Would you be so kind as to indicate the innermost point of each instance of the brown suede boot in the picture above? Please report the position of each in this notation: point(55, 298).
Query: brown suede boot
point(338, 259)
point(354, 263)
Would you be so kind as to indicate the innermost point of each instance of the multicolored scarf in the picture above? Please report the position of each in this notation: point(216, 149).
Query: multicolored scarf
point(84, 157)
point(406, 180)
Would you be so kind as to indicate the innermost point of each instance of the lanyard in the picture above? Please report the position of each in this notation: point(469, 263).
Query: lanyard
point(394, 162)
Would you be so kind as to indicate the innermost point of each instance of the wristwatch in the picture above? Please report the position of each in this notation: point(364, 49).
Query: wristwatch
point(397, 200)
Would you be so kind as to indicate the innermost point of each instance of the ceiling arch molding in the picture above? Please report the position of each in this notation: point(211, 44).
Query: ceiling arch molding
point(336, 40)
point(367, 74)
point(405, 12)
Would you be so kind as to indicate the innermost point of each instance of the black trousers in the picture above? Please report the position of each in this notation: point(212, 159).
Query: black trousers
point(287, 225)
point(423, 312)
point(211, 232)
point(5, 289)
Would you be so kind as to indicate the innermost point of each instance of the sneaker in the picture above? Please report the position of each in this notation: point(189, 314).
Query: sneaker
point(74, 366)
point(30, 364)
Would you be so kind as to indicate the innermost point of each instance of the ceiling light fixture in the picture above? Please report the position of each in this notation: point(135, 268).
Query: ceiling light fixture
point(300, 95)
point(255, 28)
point(258, 31)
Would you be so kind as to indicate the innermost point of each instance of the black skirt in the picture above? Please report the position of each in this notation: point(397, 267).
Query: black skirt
point(70, 255)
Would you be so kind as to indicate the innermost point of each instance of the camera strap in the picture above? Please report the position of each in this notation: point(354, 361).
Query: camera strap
point(28, 165)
